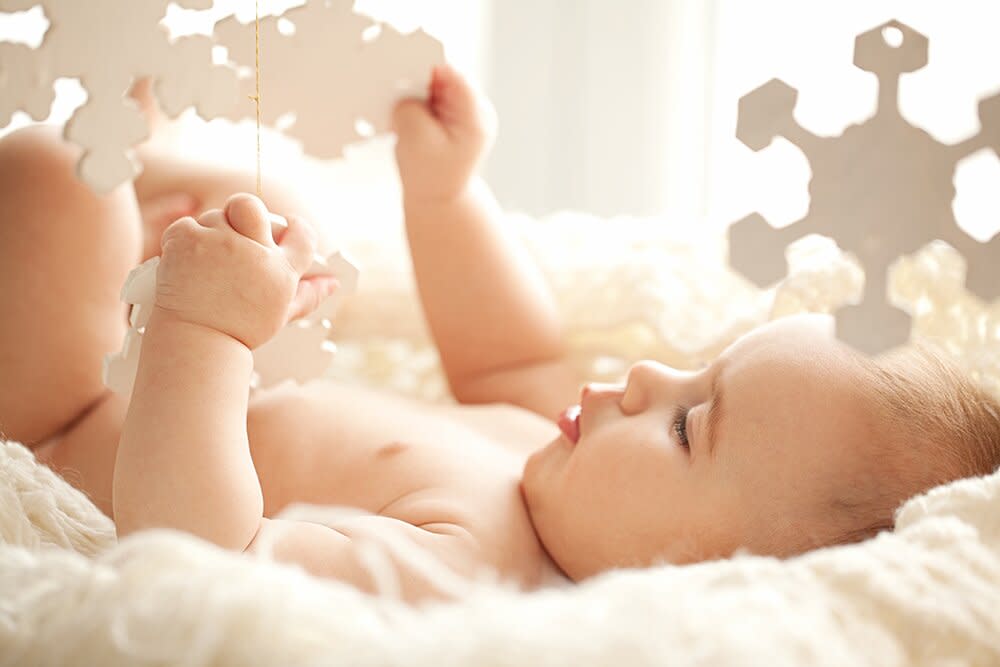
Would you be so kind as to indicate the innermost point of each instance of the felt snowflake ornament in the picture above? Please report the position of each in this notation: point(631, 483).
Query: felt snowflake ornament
point(882, 190)
point(329, 71)
point(107, 45)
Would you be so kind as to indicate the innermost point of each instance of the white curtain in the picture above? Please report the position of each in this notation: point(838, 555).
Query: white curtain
point(602, 104)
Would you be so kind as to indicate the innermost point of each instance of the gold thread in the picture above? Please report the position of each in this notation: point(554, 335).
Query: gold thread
point(256, 98)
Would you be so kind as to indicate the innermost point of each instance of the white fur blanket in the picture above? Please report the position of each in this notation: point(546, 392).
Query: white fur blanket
point(927, 594)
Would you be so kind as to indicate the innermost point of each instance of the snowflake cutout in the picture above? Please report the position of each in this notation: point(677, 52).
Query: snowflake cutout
point(883, 190)
point(282, 358)
point(330, 68)
point(334, 69)
point(108, 44)
point(299, 352)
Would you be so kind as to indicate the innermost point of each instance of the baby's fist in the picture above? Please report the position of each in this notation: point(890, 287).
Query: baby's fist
point(227, 272)
point(442, 140)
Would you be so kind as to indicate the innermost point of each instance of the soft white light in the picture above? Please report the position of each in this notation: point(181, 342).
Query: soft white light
point(24, 27)
point(977, 195)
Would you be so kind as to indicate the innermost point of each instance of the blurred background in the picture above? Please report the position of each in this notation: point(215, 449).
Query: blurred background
point(629, 107)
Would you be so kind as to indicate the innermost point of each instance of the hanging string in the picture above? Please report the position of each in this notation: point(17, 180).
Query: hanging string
point(256, 98)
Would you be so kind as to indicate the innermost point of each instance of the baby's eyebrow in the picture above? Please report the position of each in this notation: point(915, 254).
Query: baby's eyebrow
point(716, 412)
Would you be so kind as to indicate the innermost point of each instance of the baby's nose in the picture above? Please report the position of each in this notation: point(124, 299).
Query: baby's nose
point(595, 393)
point(646, 379)
point(601, 388)
point(653, 373)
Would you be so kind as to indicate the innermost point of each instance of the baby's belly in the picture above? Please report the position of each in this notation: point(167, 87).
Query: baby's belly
point(331, 443)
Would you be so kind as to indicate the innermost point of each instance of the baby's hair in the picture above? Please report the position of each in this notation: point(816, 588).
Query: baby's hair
point(936, 424)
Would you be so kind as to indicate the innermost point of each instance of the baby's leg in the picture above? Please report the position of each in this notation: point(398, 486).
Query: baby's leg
point(64, 254)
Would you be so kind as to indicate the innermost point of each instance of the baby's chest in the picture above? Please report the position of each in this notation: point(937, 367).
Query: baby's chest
point(328, 443)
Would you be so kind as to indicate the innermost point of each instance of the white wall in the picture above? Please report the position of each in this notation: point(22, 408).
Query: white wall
point(601, 104)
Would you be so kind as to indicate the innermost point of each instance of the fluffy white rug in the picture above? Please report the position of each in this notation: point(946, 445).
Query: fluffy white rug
point(928, 594)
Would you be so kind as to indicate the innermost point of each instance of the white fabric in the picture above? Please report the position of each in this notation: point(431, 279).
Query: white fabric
point(928, 594)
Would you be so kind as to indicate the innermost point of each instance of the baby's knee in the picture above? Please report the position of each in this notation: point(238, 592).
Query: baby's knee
point(40, 191)
point(38, 177)
point(64, 254)
point(35, 155)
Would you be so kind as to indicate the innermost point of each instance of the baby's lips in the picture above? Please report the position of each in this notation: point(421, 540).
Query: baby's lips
point(569, 423)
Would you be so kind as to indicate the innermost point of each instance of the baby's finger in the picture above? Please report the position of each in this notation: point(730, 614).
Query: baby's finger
point(278, 226)
point(309, 295)
point(299, 244)
point(453, 98)
point(411, 117)
point(248, 216)
point(179, 227)
point(213, 218)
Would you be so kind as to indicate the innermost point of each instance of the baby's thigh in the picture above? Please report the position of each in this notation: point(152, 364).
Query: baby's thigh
point(64, 254)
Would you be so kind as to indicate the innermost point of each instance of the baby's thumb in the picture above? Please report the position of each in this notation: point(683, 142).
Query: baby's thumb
point(412, 116)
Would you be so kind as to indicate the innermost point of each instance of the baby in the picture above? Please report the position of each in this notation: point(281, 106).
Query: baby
point(788, 441)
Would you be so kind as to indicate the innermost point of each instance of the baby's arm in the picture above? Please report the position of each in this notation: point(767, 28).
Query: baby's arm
point(224, 286)
point(489, 309)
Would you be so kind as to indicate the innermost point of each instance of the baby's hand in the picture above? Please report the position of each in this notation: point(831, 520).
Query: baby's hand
point(442, 140)
point(226, 272)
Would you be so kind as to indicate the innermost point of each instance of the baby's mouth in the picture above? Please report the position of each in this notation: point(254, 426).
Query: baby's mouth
point(569, 423)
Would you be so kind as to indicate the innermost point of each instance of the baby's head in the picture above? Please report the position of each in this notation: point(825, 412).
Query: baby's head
point(789, 441)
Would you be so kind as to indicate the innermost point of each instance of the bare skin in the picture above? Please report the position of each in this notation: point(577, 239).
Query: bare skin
point(491, 483)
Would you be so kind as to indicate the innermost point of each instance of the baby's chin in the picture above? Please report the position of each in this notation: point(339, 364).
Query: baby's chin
point(541, 475)
point(533, 474)
point(544, 461)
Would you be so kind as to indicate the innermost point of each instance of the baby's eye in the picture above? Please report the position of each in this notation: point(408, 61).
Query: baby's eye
point(680, 425)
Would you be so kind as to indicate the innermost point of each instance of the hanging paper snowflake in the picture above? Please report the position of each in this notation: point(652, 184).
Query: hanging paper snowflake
point(107, 45)
point(882, 190)
point(331, 70)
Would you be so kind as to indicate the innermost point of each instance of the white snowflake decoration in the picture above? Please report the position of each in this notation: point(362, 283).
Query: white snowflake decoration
point(333, 69)
point(337, 68)
point(883, 190)
point(107, 45)
point(299, 352)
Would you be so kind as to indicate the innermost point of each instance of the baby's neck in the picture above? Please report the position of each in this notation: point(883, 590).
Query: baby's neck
point(550, 575)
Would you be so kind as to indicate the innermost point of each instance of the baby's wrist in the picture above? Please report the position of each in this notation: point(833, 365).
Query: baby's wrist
point(425, 202)
point(436, 200)
point(170, 323)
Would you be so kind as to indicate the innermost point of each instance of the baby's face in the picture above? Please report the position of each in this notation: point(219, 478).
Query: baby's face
point(772, 427)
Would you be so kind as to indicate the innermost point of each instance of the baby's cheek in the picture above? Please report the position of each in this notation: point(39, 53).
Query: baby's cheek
point(605, 467)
